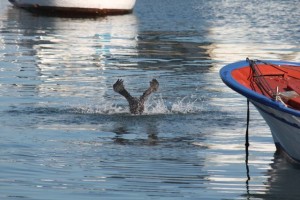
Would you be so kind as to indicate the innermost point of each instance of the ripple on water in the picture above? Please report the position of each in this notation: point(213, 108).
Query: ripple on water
point(65, 134)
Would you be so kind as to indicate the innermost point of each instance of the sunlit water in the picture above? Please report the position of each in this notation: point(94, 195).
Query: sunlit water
point(65, 134)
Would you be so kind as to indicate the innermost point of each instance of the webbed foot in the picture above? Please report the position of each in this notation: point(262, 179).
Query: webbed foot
point(154, 85)
point(118, 86)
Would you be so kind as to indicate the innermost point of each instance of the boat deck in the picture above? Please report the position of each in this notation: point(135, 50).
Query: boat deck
point(278, 82)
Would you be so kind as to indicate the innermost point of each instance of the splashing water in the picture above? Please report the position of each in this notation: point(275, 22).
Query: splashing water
point(157, 106)
point(184, 107)
point(102, 108)
point(152, 107)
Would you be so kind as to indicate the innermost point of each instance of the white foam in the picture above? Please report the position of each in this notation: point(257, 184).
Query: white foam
point(101, 108)
point(181, 106)
point(184, 106)
point(157, 106)
point(152, 107)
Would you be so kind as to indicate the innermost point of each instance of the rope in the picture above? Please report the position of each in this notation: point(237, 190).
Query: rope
point(247, 148)
point(247, 129)
point(259, 79)
point(247, 139)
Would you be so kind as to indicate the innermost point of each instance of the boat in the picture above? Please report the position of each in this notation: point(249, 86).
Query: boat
point(71, 7)
point(273, 87)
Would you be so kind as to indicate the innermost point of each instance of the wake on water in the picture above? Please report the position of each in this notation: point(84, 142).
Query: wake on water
point(157, 106)
point(152, 107)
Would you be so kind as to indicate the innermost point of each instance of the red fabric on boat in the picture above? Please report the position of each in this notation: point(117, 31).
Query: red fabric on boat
point(285, 78)
point(293, 86)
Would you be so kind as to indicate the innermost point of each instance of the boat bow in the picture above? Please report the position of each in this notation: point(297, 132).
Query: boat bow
point(273, 88)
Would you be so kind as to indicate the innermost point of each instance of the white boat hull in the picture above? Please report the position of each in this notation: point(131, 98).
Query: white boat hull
point(284, 121)
point(285, 130)
point(92, 6)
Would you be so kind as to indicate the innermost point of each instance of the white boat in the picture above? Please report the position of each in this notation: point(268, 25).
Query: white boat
point(274, 89)
point(91, 7)
point(97, 42)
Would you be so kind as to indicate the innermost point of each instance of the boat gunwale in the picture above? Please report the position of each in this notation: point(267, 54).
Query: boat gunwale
point(226, 76)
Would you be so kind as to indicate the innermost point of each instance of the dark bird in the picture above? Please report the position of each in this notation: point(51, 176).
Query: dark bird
point(136, 105)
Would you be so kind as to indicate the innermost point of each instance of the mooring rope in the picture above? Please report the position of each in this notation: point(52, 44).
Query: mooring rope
point(259, 78)
point(247, 140)
point(247, 150)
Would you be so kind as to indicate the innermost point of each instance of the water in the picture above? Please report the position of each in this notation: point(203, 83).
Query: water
point(66, 135)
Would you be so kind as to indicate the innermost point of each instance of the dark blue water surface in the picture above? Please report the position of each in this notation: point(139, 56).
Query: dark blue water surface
point(65, 134)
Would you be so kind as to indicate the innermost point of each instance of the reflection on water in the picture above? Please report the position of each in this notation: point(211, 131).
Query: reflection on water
point(63, 54)
point(248, 31)
point(66, 133)
point(282, 182)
